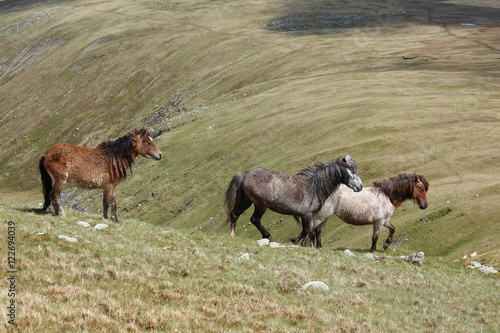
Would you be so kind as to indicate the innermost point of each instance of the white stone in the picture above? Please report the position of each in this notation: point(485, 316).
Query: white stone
point(274, 245)
point(348, 252)
point(100, 226)
point(244, 256)
point(487, 269)
point(263, 242)
point(482, 268)
point(473, 254)
point(370, 256)
point(415, 258)
point(315, 284)
point(83, 224)
point(69, 239)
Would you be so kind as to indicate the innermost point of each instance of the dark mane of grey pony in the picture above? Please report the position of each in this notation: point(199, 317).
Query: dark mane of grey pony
point(400, 187)
point(120, 154)
point(324, 178)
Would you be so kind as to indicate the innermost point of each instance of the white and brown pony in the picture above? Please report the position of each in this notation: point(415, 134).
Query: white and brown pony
point(102, 167)
point(373, 205)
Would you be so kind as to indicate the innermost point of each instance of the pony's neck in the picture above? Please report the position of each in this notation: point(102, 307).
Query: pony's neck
point(397, 196)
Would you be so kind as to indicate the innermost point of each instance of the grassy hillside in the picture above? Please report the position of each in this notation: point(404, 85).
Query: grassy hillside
point(225, 86)
point(137, 277)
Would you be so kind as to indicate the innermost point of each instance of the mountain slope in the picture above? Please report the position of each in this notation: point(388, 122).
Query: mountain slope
point(225, 86)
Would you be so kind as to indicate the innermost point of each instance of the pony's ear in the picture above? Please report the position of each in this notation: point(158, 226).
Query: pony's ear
point(348, 158)
point(417, 180)
point(141, 131)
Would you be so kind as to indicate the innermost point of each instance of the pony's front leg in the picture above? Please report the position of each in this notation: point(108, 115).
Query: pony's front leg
point(318, 238)
point(307, 224)
point(114, 215)
point(106, 196)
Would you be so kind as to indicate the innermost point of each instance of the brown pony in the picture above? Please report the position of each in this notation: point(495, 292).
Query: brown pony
point(373, 205)
point(103, 167)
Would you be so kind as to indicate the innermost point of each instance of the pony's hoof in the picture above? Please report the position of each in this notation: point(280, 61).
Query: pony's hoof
point(386, 245)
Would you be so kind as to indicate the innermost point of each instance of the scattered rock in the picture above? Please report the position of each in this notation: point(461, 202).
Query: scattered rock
point(370, 256)
point(348, 252)
point(40, 233)
point(69, 239)
point(416, 259)
point(473, 254)
point(315, 284)
point(100, 226)
point(83, 224)
point(244, 256)
point(482, 268)
point(263, 242)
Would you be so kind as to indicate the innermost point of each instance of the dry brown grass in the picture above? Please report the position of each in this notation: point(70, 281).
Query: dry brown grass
point(138, 277)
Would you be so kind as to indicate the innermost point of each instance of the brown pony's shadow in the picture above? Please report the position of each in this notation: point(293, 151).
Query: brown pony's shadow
point(38, 211)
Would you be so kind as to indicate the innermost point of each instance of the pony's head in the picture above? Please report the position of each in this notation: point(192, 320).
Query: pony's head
point(420, 189)
point(353, 182)
point(144, 146)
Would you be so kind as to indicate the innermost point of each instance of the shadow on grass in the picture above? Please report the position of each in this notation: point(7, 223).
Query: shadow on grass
point(38, 211)
point(7, 6)
point(323, 17)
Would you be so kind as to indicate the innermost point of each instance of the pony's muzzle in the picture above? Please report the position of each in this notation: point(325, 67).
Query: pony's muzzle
point(423, 205)
point(156, 155)
point(357, 188)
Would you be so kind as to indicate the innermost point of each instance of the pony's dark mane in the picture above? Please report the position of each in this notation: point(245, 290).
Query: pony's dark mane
point(120, 154)
point(400, 188)
point(324, 178)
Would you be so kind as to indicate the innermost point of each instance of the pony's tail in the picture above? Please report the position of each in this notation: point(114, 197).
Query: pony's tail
point(46, 183)
point(233, 198)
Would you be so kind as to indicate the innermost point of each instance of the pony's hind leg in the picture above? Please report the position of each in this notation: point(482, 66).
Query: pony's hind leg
point(302, 236)
point(107, 199)
point(55, 193)
point(377, 226)
point(242, 206)
point(255, 219)
point(56, 169)
point(391, 234)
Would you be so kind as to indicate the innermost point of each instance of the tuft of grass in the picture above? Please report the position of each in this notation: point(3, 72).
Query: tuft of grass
point(135, 276)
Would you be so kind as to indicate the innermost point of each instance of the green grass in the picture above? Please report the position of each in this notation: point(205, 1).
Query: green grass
point(135, 276)
point(279, 99)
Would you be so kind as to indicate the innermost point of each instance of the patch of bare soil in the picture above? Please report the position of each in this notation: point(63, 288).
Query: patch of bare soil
point(35, 51)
